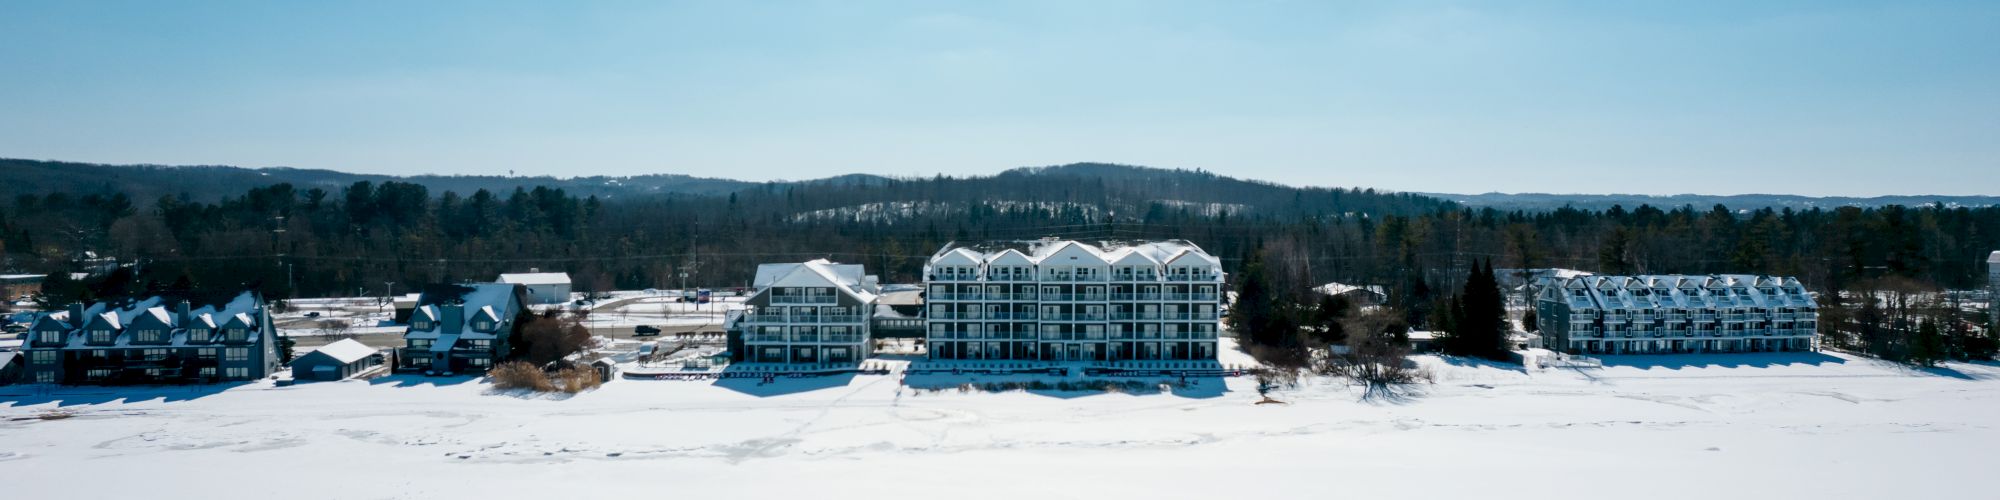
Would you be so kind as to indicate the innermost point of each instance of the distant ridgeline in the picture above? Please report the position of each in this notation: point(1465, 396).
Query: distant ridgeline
point(1543, 201)
point(320, 233)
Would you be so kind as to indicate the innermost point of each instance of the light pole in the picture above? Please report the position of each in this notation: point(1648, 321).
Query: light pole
point(388, 294)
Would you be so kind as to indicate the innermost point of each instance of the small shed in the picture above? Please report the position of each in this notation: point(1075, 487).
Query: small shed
point(335, 361)
point(605, 367)
point(543, 288)
point(1360, 296)
point(1423, 341)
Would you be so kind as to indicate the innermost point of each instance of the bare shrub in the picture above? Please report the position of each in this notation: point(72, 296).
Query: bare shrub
point(577, 379)
point(520, 375)
point(1377, 351)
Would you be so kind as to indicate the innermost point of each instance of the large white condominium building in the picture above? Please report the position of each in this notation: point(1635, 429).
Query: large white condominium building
point(808, 312)
point(1676, 314)
point(1061, 300)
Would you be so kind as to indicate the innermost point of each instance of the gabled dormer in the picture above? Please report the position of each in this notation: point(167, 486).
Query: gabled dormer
point(200, 328)
point(153, 326)
point(424, 318)
point(485, 320)
point(237, 328)
point(48, 332)
point(102, 329)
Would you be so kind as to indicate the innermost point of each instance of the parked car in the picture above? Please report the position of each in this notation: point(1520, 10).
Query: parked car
point(312, 314)
point(645, 331)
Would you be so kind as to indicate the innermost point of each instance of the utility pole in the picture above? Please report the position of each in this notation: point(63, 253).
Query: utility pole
point(388, 295)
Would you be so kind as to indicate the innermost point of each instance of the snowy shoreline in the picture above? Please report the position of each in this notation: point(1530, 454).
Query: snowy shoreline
point(1727, 427)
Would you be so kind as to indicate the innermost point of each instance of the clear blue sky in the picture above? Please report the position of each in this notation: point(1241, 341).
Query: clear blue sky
point(1820, 97)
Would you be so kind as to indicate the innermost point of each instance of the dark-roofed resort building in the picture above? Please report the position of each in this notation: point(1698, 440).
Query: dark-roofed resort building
point(163, 339)
point(460, 328)
point(1676, 314)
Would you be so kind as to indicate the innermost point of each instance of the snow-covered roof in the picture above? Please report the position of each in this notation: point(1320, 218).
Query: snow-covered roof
point(888, 311)
point(8, 357)
point(1993, 259)
point(849, 278)
point(1051, 250)
point(1341, 288)
point(242, 309)
point(346, 351)
point(1681, 291)
point(473, 300)
point(535, 278)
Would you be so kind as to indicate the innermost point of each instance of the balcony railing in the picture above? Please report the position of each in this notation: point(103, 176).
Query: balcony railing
point(802, 299)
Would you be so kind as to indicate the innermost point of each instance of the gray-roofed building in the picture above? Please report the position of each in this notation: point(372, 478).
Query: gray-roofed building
point(808, 312)
point(154, 340)
point(1676, 314)
point(542, 288)
point(335, 361)
point(460, 328)
point(1063, 300)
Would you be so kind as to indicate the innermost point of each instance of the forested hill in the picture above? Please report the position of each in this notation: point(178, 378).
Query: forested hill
point(1545, 201)
point(208, 183)
point(1076, 192)
point(1083, 193)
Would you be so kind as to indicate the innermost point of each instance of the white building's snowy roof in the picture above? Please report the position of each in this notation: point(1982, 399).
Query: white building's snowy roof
point(346, 350)
point(1046, 250)
point(535, 278)
point(849, 278)
point(1994, 259)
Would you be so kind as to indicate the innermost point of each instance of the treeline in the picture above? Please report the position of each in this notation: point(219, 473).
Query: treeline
point(317, 242)
point(360, 238)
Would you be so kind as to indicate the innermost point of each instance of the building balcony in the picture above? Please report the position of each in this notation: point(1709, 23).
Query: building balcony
point(1194, 277)
point(803, 299)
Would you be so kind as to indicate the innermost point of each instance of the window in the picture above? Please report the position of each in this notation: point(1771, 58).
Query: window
point(420, 343)
point(198, 335)
point(151, 335)
point(51, 337)
point(101, 336)
point(482, 325)
point(237, 373)
point(98, 373)
point(479, 362)
point(42, 357)
point(45, 377)
point(237, 354)
point(206, 372)
point(205, 353)
point(481, 344)
point(236, 334)
point(156, 354)
point(420, 325)
point(100, 353)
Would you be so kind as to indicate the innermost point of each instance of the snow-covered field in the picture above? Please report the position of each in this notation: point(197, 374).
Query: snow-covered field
point(1745, 426)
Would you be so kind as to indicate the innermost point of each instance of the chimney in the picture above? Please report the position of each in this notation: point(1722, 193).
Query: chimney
point(454, 317)
point(181, 314)
point(76, 315)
